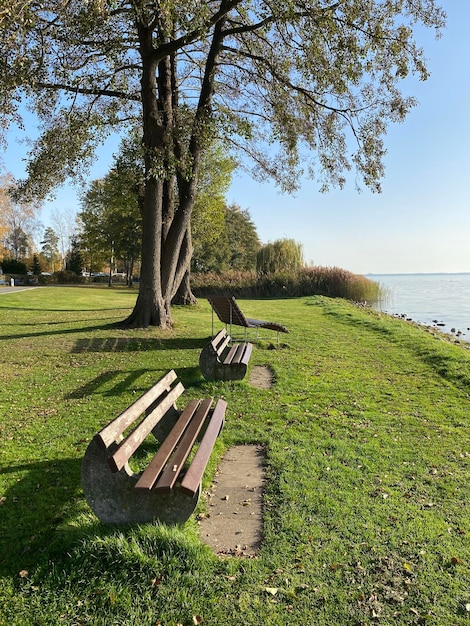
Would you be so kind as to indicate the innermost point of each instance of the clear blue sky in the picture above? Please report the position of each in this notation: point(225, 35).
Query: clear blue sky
point(421, 220)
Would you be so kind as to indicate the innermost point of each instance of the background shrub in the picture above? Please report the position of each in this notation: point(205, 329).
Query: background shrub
point(280, 256)
point(304, 281)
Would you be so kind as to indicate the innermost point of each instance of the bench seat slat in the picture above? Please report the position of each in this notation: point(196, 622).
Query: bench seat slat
point(129, 445)
point(195, 472)
point(175, 464)
point(114, 429)
point(247, 353)
point(150, 475)
point(237, 357)
point(231, 354)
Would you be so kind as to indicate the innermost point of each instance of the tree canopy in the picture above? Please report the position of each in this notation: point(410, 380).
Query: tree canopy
point(110, 219)
point(50, 247)
point(282, 255)
point(234, 247)
point(293, 84)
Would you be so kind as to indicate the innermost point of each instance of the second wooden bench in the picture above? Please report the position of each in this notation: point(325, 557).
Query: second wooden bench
point(220, 361)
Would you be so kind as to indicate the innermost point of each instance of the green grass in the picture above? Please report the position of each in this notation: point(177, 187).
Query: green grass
point(366, 431)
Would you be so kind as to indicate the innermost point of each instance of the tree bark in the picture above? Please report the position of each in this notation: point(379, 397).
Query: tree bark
point(166, 245)
point(184, 295)
point(151, 308)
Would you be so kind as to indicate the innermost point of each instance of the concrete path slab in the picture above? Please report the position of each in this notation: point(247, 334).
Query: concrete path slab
point(234, 522)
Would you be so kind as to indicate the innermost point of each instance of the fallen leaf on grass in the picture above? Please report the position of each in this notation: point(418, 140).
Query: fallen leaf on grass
point(197, 619)
point(335, 566)
point(271, 590)
point(290, 593)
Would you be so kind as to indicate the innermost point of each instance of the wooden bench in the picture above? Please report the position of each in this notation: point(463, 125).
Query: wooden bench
point(220, 361)
point(168, 489)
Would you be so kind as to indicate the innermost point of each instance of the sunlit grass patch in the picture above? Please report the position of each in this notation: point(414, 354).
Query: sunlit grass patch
point(365, 430)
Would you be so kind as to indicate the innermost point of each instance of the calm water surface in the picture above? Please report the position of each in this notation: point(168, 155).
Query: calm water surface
point(441, 300)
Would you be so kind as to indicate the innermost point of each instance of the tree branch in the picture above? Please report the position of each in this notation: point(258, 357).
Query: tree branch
point(111, 93)
point(173, 46)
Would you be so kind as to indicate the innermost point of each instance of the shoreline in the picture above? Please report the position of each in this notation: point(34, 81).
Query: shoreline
point(437, 301)
point(455, 335)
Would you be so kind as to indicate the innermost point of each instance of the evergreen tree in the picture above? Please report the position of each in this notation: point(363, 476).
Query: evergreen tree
point(13, 266)
point(74, 260)
point(243, 239)
point(50, 247)
point(36, 265)
point(234, 248)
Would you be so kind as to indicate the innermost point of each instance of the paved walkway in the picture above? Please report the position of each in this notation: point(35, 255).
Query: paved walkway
point(4, 289)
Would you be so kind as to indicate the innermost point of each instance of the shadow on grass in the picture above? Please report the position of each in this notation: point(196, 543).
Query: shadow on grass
point(32, 510)
point(62, 310)
point(100, 384)
point(114, 344)
point(125, 380)
point(60, 331)
point(135, 344)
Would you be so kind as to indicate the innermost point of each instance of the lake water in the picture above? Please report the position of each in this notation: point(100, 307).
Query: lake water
point(438, 300)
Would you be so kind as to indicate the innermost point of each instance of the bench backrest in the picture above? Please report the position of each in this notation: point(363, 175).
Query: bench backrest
point(228, 311)
point(154, 403)
point(220, 341)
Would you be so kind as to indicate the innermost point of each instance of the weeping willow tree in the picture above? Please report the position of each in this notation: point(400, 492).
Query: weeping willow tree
point(298, 86)
point(281, 255)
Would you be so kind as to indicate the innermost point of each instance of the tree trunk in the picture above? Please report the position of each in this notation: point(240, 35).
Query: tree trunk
point(151, 308)
point(166, 220)
point(181, 291)
point(184, 295)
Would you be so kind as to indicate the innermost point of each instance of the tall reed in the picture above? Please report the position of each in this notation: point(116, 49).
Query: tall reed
point(306, 281)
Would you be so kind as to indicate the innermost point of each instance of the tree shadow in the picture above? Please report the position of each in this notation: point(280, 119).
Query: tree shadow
point(58, 331)
point(132, 343)
point(135, 344)
point(124, 380)
point(32, 510)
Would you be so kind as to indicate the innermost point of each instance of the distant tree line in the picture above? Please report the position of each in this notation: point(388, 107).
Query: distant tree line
point(106, 235)
point(25, 245)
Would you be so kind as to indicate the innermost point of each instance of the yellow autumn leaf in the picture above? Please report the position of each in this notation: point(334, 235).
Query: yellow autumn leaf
point(271, 590)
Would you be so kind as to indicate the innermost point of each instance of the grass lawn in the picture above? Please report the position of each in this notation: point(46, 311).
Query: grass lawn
point(367, 439)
